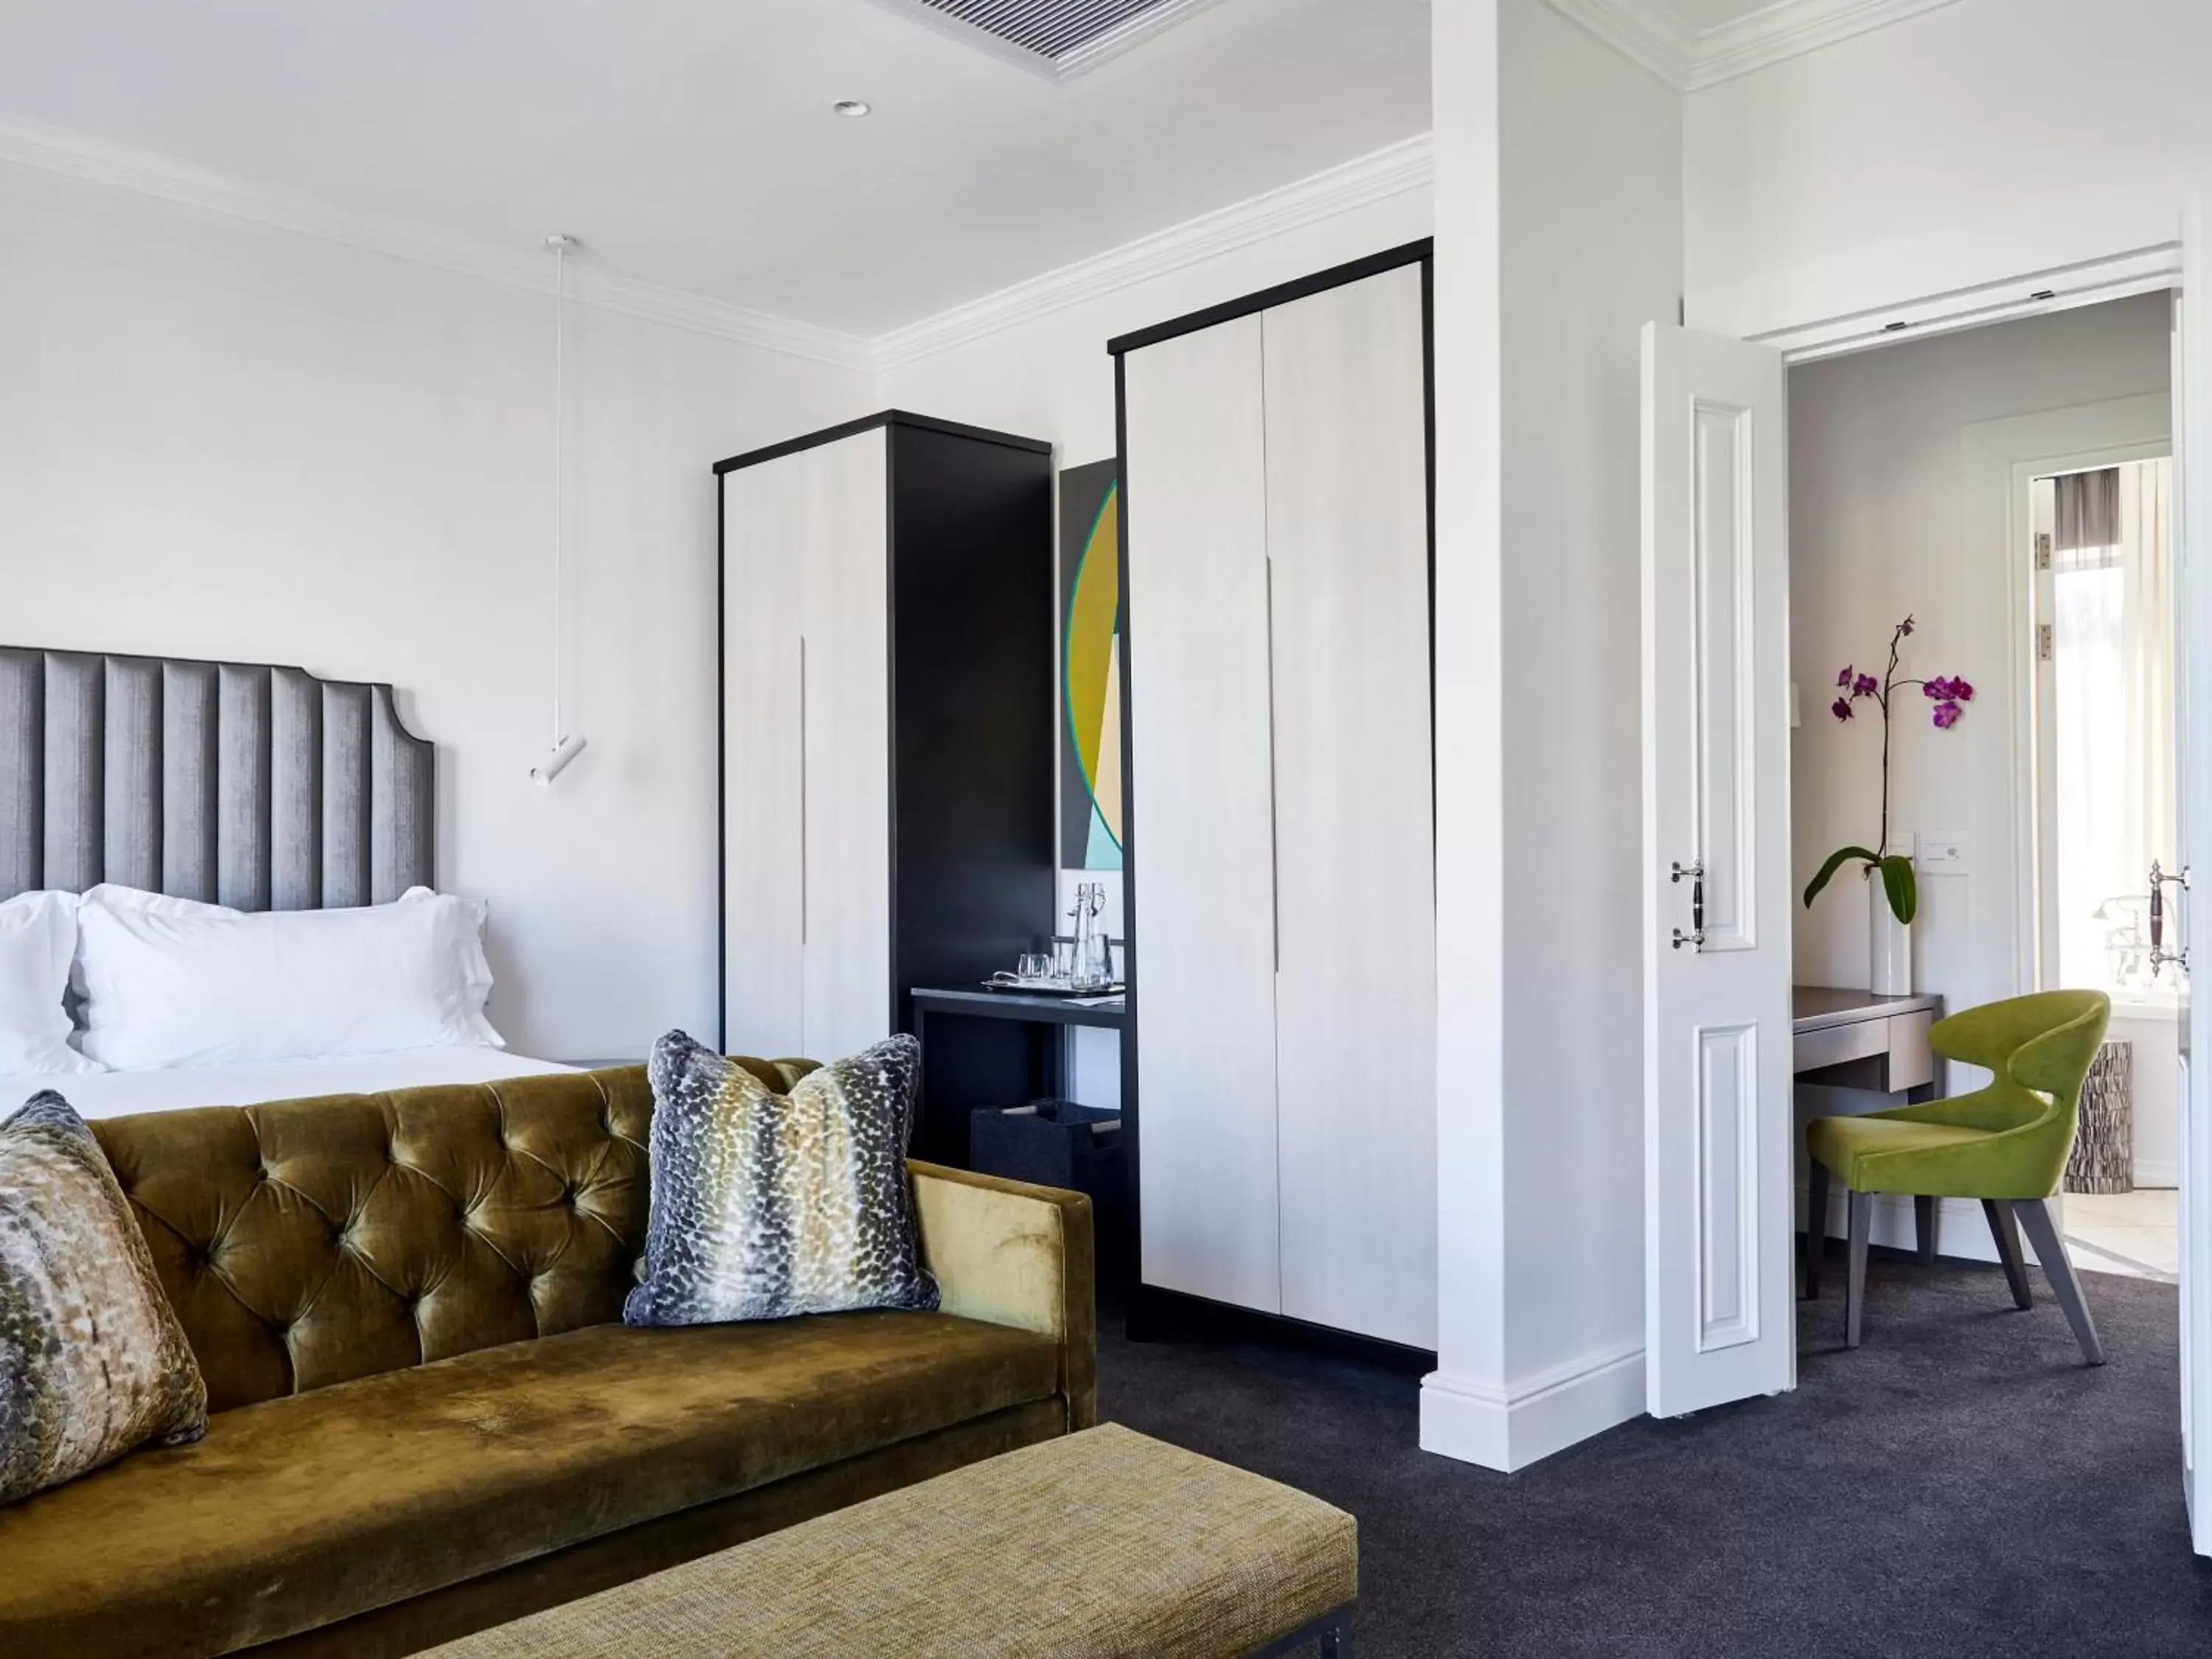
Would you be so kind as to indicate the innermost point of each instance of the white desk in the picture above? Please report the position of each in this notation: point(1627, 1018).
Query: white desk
point(1857, 1040)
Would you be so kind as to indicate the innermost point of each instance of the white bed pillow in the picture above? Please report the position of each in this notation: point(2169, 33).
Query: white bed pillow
point(169, 981)
point(38, 939)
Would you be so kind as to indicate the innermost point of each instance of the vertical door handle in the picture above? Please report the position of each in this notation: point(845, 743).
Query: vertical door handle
point(2160, 955)
point(1695, 875)
point(1274, 837)
point(802, 791)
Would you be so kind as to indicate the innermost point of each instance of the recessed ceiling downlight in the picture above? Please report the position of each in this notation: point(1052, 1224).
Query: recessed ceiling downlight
point(852, 108)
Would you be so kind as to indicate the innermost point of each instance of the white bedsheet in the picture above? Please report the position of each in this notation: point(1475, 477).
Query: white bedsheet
point(118, 1094)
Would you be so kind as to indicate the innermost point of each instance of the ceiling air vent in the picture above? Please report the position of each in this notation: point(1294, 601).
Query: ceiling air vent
point(1060, 36)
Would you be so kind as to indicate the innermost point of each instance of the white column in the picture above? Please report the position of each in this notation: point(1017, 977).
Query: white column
point(1558, 234)
point(1464, 1400)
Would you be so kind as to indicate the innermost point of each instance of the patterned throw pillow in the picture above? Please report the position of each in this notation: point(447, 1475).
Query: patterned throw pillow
point(764, 1204)
point(93, 1361)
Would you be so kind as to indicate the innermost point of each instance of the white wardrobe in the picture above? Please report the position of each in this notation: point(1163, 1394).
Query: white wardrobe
point(1281, 879)
point(887, 726)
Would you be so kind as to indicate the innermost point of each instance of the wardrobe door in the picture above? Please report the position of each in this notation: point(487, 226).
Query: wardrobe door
point(844, 720)
point(768, 528)
point(1200, 801)
point(1347, 528)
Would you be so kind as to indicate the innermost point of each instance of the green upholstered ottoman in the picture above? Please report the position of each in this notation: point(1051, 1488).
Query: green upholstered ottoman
point(1101, 1545)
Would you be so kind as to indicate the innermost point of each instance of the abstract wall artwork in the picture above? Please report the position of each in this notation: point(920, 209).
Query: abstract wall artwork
point(1090, 667)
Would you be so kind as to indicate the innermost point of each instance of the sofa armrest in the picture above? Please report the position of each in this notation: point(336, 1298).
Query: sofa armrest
point(1009, 1254)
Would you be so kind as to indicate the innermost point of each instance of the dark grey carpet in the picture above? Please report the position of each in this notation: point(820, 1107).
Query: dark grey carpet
point(1959, 1485)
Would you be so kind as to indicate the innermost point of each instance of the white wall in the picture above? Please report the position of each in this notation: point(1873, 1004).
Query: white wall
point(220, 439)
point(1879, 527)
point(1965, 145)
point(1050, 377)
point(1541, 1186)
point(1883, 522)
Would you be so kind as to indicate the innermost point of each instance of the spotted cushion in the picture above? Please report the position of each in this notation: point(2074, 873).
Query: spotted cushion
point(768, 1205)
point(92, 1363)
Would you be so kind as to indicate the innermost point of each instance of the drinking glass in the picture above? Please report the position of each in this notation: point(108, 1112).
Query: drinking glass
point(1036, 967)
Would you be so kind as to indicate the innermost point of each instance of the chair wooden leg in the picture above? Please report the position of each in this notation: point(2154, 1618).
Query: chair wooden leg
point(1924, 1213)
point(1816, 1226)
point(2007, 1234)
point(2058, 1268)
point(1854, 1284)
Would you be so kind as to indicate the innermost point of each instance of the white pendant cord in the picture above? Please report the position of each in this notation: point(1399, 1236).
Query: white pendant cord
point(560, 463)
point(565, 747)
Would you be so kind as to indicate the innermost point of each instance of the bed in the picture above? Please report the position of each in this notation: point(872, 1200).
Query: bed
point(120, 1094)
point(252, 786)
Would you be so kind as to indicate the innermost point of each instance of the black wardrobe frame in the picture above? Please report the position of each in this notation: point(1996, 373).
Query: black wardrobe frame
point(974, 862)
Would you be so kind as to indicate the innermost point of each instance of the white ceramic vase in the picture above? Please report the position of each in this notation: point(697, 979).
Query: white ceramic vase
point(1889, 942)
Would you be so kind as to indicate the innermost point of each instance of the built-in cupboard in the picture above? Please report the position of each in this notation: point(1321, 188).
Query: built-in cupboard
point(1275, 460)
point(886, 726)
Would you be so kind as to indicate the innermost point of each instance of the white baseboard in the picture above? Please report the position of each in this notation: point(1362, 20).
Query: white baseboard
point(2157, 1172)
point(1510, 1429)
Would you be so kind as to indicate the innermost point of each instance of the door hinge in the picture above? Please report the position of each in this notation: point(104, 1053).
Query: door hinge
point(2043, 641)
point(2043, 549)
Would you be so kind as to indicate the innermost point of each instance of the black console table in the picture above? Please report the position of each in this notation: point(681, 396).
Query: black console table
point(950, 1091)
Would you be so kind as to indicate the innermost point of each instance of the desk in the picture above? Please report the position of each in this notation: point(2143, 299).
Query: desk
point(1857, 1040)
point(959, 1081)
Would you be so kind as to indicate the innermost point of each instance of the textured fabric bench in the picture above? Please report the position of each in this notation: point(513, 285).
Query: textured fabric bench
point(1101, 1545)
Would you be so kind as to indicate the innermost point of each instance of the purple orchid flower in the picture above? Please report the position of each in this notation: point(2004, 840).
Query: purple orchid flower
point(1949, 694)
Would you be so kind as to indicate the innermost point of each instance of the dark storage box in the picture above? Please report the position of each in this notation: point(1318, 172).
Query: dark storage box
point(1053, 1143)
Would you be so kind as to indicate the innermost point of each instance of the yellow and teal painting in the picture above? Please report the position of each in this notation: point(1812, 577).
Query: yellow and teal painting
point(1090, 667)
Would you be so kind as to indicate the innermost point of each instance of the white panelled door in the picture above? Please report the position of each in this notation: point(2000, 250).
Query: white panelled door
point(2193, 801)
point(844, 723)
point(1355, 869)
point(767, 526)
point(805, 716)
point(1202, 799)
point(1719, 1292)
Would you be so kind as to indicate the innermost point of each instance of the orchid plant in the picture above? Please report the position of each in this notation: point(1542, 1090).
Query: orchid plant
point(1950, 694)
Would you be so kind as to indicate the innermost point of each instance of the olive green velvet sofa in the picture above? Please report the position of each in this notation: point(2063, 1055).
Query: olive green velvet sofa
point(426, 1415)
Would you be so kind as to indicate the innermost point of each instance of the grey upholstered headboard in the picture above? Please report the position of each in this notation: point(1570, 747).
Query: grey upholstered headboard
point(239, 783)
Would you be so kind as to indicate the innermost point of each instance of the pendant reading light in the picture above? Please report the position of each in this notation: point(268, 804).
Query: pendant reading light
point(567, 745)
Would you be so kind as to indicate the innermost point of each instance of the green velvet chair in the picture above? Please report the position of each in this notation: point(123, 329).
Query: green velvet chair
point(2005, 1145)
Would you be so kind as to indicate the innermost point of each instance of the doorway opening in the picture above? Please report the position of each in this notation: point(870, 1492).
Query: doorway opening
point(2014, 787)
point(2100, 558)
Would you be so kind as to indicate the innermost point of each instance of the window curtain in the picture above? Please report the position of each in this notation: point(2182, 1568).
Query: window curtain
point(2113, 597)
point(2146, 624)
point(2088, 511)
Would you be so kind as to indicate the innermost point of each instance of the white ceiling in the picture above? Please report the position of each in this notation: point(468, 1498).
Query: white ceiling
point(692, 145)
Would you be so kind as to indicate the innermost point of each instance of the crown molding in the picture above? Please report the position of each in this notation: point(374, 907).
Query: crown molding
point(1645, 32)
point(1792, 28)
point(54, 149)
point(1650, 33)
point(1393, 171)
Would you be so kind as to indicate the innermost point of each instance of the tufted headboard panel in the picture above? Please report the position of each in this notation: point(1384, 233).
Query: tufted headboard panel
point(312, 1241)
point(242, 784)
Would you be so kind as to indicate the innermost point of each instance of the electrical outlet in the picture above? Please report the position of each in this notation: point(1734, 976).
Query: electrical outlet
point(1942, 855)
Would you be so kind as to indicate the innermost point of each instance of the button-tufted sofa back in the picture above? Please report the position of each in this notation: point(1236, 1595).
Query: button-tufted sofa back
point(316, 1241)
